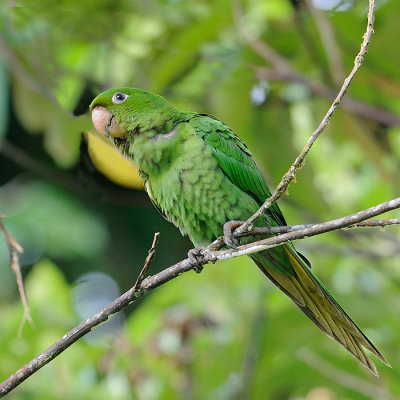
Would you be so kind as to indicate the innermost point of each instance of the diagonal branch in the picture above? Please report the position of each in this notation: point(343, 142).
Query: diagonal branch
point(211, 254)
point(299, 161)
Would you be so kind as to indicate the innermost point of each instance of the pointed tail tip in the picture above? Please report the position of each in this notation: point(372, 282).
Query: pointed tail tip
point(373, 369)
point(378, 354)
point(371, 366)
point(386, 362)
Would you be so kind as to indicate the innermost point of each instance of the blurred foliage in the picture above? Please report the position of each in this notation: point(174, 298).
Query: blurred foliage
point(227, 333)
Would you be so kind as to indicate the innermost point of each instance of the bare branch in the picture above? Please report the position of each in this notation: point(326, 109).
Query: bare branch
point(311, 230)
point(14, 248)
point(276, 230)
point(147, 262)
point(211, 254)
point(299, 161)
point(376, 222)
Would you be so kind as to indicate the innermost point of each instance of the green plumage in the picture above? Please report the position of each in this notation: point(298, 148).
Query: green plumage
point(199, 175)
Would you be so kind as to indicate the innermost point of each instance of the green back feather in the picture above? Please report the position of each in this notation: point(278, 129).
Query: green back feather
point(235, 159)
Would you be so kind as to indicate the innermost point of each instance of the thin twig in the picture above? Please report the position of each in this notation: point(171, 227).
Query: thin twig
point(152, 282)
point(14, 248)
point(299, 161)
point(147, 262)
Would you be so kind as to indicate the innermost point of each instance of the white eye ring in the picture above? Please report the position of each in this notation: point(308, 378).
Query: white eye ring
point(119, 97)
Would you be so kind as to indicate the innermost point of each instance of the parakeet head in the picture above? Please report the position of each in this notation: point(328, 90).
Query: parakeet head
point(121, 111)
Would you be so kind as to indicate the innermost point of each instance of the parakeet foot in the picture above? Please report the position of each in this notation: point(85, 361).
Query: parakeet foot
point(195, 257)
point(229, 239)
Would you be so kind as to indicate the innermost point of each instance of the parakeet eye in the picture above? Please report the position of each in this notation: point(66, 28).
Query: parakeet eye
point(119, 98)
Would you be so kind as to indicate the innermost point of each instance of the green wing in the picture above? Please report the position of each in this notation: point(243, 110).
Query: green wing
point(235, 159)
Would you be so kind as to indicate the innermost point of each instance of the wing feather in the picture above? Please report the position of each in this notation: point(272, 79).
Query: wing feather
point(235, 160)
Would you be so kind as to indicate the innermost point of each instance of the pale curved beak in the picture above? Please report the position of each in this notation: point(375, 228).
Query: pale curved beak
point(105, 123)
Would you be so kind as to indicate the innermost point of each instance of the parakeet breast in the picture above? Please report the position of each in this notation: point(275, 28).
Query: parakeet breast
point(185, 183)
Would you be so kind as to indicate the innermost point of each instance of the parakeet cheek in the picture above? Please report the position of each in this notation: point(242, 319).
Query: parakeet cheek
point(105, 122)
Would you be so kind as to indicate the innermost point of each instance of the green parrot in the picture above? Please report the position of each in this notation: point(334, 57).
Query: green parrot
point(200, 175)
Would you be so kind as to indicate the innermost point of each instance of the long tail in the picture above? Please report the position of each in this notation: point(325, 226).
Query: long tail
point(315, 301)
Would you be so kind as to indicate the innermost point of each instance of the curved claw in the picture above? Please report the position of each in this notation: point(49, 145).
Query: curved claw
point(229, 239)
point(195, 257)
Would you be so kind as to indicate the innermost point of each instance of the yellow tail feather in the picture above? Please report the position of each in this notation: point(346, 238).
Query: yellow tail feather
point(322, 309)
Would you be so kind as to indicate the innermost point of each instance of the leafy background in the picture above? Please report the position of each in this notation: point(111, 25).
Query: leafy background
point(227, 333)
